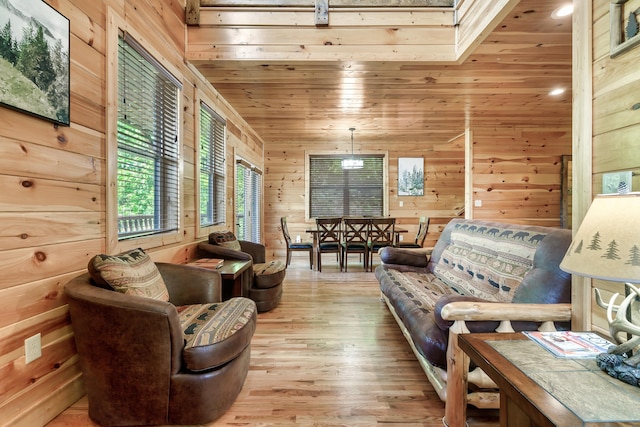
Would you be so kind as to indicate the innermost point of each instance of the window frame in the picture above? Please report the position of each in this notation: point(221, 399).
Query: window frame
point(204, 230)
point(115, 26)
point(385, 177)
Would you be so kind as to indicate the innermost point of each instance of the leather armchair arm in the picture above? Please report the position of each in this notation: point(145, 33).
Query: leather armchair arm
point(470, 311)
point(102, 321)
point(256, 250)
point(207, 250)
point(191, 285)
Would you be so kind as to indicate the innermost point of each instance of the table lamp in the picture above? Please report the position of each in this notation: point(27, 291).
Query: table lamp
point(607, 247)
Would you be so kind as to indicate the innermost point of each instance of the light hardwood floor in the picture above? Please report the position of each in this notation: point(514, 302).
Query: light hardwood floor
point(330, 354)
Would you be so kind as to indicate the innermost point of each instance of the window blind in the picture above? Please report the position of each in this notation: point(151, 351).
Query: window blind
point(212, 173)
point(147, 137)
point(249, 185)
point(352, 192)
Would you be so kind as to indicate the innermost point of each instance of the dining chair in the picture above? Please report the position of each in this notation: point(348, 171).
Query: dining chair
point(329, 238)
point(423, 226)
point(381, 234)
point(355, 236)
point(295, 246)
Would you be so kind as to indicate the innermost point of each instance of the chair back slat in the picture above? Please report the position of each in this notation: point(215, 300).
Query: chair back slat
point(423, 226)
point(355, 231)
point(329, 230)
point(285, 230)
point(382, 232)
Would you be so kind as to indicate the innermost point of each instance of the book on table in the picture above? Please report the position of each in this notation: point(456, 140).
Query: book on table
point(571, 344)
point(213, 263)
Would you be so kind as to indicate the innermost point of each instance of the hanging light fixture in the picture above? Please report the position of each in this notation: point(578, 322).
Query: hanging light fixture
point(352, 163)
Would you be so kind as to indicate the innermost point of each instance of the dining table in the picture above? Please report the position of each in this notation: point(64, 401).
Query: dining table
point(314, 233)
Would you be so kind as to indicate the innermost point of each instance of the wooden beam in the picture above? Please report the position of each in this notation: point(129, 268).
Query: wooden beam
point(334, 3)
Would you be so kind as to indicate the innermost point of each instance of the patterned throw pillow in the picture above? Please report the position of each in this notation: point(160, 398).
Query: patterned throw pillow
point(226, 239)
point(131, 273)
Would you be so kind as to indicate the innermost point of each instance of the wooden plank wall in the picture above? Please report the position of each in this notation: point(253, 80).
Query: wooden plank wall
point(616, 125)
point(517, 188)
point(52, 203)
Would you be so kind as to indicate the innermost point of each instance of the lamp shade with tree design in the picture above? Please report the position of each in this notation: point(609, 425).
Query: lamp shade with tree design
point(607, 247)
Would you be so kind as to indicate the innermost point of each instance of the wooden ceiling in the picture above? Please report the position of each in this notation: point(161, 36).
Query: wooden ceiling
point(403, 81)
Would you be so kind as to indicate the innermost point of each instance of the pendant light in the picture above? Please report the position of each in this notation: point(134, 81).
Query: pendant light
point(352, 163)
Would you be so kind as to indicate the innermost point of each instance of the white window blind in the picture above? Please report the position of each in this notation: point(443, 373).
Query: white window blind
point(334, 191)
point(249, 188)
point(148, 150)
point(212, 173)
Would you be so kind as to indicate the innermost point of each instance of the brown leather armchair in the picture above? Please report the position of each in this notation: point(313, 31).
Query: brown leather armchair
point(137, 365)
point(268, 277)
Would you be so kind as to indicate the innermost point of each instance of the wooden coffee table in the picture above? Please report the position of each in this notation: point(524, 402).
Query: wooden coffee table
point(539, 389)
point(236, 276)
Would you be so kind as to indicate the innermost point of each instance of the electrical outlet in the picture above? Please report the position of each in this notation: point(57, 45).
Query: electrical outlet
point(32, 348)
point(401, 203)
point(477, 203)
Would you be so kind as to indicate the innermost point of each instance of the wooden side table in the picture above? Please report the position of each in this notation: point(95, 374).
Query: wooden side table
point(235, 274)
point(539, 389)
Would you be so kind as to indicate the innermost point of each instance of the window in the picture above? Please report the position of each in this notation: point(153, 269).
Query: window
point(352, 192)
point(212, 177)
point(147, 140)
point(248, 201)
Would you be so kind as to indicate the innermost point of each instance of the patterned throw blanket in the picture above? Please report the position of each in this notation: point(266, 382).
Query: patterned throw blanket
point(488, 262)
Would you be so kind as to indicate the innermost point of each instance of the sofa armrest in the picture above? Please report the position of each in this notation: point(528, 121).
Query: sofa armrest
point(403, 256)
point(191, 285)
point(471, 311)
point(207, 250)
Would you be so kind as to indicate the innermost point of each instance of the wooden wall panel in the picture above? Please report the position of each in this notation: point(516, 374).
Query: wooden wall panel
point(517, 173)
point(520, 188)
point(53, 202)
point(615, 123)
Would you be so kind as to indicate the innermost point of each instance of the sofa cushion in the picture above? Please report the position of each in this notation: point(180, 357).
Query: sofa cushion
point(226, 239)
point(131, 273)
point(216, 333)
point(414, 296)
point(268, 274)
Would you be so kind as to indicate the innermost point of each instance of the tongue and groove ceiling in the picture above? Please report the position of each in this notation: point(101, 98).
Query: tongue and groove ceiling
point(418, 70)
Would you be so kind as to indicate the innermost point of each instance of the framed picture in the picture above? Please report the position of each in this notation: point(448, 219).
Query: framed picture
point(624, 26)
point(410, 176)
point(34, 59)
point(615, 181)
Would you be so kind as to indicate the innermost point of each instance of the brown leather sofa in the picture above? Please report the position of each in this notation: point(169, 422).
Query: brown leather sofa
point(266, 286)
point(470, 282)
point(132, 350)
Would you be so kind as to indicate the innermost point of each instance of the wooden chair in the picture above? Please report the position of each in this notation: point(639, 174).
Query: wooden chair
point(295, 246)
point(355, 240)
point(329, 238)
point(381, 234)
point(421, 235)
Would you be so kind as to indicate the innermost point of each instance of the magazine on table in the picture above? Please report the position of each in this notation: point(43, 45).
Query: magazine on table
point(570, 344)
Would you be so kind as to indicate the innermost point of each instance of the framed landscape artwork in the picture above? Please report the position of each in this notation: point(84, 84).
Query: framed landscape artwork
point(34, 59)
point(410, 176)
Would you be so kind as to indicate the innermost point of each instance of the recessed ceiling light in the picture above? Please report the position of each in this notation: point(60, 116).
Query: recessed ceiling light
point(563, 11)
point(556, 92)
